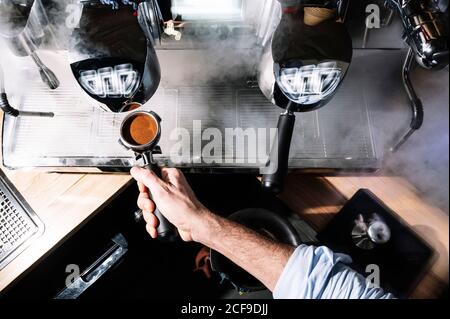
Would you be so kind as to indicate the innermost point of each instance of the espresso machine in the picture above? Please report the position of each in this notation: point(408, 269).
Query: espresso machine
point(25, 27)
point(205, 71)
point(426, 32)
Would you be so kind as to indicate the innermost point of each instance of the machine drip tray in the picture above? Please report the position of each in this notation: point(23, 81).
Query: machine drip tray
point(81, 134)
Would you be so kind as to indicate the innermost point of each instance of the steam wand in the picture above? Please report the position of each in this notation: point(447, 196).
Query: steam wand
point(416, 103)
point(426, 33)
point(8, 109)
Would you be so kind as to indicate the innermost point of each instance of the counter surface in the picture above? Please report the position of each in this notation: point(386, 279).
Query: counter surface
point(65, 202)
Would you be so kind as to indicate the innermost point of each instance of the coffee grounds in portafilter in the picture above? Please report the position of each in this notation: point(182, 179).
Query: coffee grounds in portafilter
point(141, 129)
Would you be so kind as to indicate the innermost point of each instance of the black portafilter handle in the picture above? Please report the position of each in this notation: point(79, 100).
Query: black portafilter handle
point(167, 232)
point(279, 154)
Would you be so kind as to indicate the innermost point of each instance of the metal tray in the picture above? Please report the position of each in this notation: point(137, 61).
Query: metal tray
point(19, 225)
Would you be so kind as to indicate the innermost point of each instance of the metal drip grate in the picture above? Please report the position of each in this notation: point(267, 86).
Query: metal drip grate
point(82, 135)
point(18, 223)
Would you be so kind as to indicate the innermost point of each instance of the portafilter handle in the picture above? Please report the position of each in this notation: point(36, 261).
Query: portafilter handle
point(279, 155)
point(167, 232)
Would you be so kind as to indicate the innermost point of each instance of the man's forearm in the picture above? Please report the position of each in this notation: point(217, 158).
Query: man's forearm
point(260, 256)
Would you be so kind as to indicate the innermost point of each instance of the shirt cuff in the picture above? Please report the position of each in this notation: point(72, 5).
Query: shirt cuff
point(306, 274)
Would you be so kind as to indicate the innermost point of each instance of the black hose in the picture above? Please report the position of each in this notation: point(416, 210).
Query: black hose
point(4, 104)
point(6, 107)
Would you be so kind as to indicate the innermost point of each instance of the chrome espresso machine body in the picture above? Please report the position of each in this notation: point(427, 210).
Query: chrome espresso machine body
point(426, 31)
point(112, 53)
point(25, 26)
point(198, 70)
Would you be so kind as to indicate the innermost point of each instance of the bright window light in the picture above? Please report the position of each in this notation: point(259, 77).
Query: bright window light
point(208, 9)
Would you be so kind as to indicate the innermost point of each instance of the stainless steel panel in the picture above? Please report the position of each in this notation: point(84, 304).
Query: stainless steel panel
point(206, 79)
point(83, 135)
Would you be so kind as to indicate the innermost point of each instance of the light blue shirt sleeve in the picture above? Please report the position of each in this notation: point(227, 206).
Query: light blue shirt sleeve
point(318, 273)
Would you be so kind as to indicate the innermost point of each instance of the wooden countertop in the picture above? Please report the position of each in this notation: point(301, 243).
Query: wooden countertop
point(64, 202)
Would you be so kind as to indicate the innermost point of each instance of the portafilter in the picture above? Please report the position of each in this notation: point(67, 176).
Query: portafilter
point(140, 132)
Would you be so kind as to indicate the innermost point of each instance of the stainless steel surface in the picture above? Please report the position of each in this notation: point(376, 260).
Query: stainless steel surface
point(379, 232)
point(370, 232)
point(19, 226)
point(426, 30)
point(414, 100)
point(27, 34)
point(211, 87)
point(25, 40)
point(385, 21)
point(360, 234)
point(82, 134)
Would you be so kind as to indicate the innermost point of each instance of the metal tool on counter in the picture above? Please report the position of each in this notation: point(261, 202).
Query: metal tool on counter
point(374, 235)
point(140, 132)
point(8, 109)
point(27, 23)
point(300, 72)
point(212, 97)
point(370, 232)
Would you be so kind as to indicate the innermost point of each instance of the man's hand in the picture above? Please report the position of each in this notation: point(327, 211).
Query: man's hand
point(174, 198)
